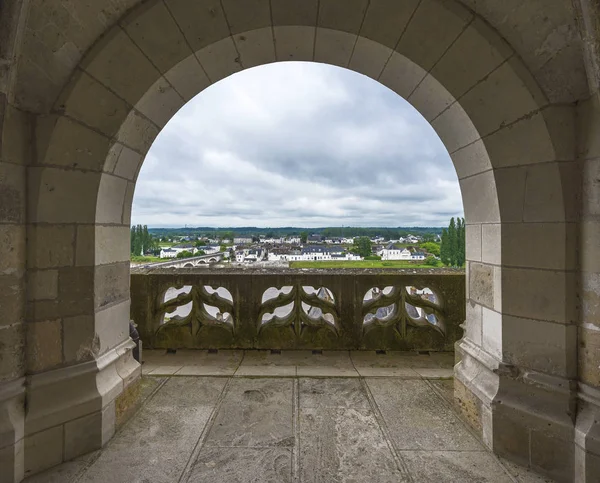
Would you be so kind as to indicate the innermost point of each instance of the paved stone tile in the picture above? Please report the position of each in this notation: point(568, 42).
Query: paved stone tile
point(418, 419)
point(255, 413)
point(326, 364)
point(445, 387)
point(263, 363)
point(203, 363)
point(164, 370)
point(65, 473)
point(445, 360)
point(157, 443)
point(392, 363)
point(242, 465)
point(454, 467)
point(344, 445)
point(332, 393)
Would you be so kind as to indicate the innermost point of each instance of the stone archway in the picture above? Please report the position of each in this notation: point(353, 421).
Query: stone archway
point(512, 146)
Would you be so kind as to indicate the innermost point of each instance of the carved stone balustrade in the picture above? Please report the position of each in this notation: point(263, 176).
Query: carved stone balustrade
point(340, 309)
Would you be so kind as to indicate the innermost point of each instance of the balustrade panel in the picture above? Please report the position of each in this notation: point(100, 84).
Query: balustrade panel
point(292, 309)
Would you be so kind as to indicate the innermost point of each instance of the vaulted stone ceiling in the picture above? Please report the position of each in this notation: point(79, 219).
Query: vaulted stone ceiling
point(55, 34)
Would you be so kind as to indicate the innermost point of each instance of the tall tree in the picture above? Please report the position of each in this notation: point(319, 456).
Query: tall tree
point(460, 254)
point(362, 246)
point(445, 248)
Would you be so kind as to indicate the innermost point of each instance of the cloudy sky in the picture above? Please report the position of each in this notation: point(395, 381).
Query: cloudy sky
point(297, 144)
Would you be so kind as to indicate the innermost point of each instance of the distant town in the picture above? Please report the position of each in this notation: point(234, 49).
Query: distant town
point(302, 248)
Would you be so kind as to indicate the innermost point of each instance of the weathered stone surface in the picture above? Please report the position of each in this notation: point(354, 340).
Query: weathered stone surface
point(454, 467)
point(417, 418)
point(256, 412)
point(332, 393)
point(44, 343)
point(240, 465)
point(338, 444)
point(161, 437)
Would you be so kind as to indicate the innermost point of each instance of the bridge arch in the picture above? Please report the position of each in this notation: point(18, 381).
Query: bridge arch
point(510, 145)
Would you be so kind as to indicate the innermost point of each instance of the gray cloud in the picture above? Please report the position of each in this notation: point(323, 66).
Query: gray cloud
point(297, 144)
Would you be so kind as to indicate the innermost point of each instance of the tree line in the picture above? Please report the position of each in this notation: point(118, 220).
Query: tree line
point(142, 241)
point(452, 249)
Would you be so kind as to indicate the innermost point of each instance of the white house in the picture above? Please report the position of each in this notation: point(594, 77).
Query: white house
point(242, 240)
point(393, 252)
point(174, 251)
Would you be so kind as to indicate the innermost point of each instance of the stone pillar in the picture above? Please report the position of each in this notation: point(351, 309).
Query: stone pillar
point(14, 157)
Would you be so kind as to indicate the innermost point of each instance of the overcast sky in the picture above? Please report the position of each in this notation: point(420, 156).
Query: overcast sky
point(297, 144)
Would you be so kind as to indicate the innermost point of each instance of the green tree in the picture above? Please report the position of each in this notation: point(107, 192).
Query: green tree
point(460, 252)
point(431, 247)
point(303, 237)
point(452, 250)
point(445, 248)
point(362, 246)
point(432, 261)
point(185, 254)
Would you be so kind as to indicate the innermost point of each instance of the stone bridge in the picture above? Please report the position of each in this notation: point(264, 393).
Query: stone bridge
point(199, 261)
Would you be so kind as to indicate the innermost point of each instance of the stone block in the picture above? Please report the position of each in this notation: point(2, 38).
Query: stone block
point(160, 102)
point(502, 98)
point(589, 355)
point(43, 450)
point(510, 436)
point(188, 77)
point(342, 15)
point(75, 290)
point(247, 15)
point(202, 23)
point(12, 247)
point(164, 50)
point(83, 435)
point(477, 51)
point(588, 126)
point(80, 343)
point(433, 27)
point(539, 245)
point(256, 47)
point(510, 186)
point(561, 125)
point(590, 298)
point(591, 188)
point(471, 159)
point(473, 321)
point(481, 284)
point(12, 299)
point(473, 242)
point(12, 193)
point(112, 244)
point(525, 141)
point(302, 13)
point(128, 164)
point(537, 294)
point(544, 194)
point(72, 145)
point(138, 132)
point(552, 456)
point(50, 246)
point(12, 350)
point(455, 128)
point(44, 345)
point(468, 404)
point(480, 199)
point(111, 195)
point(220, 59)
point(15, 136)
point(492, 332)
point(430, 98)
point(491, 243)
point(369, 58)
point(93, 104)
point(52, 191)
point(542, 346)
point(112, 157)
point(590, 254)
point(385, 20)
point(401, 75)
point(121, 66)
point(294, 43)
point(43, 284)
point(333, 47)
point(12, 461)
point(127, 204)
point(111, 284)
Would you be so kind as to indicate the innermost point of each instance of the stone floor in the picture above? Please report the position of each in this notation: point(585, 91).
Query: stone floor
point(293, 417)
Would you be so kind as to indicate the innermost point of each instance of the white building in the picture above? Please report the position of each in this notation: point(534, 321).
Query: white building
point(242, 240)
point(174, 251)
point(393, 252)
